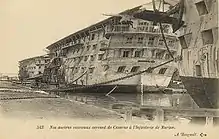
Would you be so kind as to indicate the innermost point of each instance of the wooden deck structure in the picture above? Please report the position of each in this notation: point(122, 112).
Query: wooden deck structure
point(211, 115)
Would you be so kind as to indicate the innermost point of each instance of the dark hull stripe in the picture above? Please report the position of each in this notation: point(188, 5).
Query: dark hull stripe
point(204, 91)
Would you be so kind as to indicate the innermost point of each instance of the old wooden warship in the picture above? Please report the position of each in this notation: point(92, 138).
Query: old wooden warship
point(105, 57)
point(111, 55)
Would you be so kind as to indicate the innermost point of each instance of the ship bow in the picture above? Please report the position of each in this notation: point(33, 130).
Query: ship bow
point(204, 91)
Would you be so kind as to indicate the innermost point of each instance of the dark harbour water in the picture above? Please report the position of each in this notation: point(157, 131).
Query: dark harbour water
point(101, 100)
point(133, 99)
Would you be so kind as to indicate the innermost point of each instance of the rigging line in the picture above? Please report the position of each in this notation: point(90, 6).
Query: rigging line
point(159, 6)
point(114, 80)
point(157, 84)
point(154, 6)
point(163, 64)
point(79, 77)
point(162, 33)
point(108, 94)
point(147, 70)
point(164, 39)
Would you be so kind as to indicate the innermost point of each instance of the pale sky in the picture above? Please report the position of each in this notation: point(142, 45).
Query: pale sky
point(28, 26)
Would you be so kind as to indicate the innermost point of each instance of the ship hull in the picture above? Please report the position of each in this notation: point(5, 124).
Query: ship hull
point(150, 83)
point(107, 88)
point(103, 89)
point(204, 91)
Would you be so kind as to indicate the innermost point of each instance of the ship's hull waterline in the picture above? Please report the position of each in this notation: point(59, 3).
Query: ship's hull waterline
point(136, 84)
point(204, 91)
point(107, 88)
point(125, 89)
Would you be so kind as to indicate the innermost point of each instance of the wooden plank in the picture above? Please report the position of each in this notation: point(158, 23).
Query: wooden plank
point(170, 111)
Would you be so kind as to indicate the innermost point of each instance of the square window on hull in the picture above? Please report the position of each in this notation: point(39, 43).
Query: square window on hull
point(198, 70)
point(121, 69)
point(82, 69)
point(183, 42)
point(92, 36)
point(151, 41)
point(137, 53)
point(135, 68)
point(88, 47)
point(129, 40)
point(91, 70)
point(76, 69)
point(161, 42)
point(150, 70)
point(201, 8)
point(126, 54)
point(162, 70)
point(85, 58)
point(167, 56)
point(95, 47)
point(92, 57)
point(207, 37)
point(140, 40)
point(100, 56)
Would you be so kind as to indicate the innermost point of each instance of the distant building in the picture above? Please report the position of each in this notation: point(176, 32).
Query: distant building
point(8, 76)
point(32, 68)
point(4, 78)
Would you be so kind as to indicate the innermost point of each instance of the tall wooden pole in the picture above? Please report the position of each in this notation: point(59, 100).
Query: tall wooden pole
point(142, 91)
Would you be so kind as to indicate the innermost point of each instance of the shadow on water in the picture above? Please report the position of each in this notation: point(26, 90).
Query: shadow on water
point(101, 99)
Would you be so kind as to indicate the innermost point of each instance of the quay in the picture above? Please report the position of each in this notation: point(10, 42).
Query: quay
point(17, 101)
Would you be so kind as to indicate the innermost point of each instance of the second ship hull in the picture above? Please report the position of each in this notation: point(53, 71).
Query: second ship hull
point(204, 91)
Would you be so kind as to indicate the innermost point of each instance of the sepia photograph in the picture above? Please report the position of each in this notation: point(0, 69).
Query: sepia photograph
point(109, 69)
